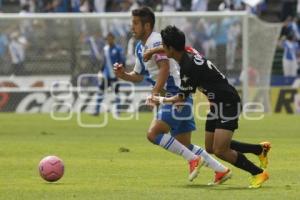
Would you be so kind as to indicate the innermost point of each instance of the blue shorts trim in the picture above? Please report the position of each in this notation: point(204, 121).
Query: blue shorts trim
point(180, 120)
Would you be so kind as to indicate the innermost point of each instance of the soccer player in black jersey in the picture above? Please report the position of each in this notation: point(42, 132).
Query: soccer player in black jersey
point(225, 105)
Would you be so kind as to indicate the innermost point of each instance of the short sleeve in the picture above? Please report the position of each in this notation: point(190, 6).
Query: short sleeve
point(139, 66)
point(155, 42)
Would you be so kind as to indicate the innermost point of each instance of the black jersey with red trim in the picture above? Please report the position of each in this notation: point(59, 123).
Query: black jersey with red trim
point(198, 72)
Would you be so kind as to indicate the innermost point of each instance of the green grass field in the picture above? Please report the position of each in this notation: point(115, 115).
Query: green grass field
point(96, 169)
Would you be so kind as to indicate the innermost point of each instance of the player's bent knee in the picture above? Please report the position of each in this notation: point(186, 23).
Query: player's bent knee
point(219, 152)
point(151, 137)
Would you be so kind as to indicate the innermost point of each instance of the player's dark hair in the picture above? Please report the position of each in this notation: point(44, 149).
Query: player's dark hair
point(173, 37)
point(146, 14)
point(110, 34)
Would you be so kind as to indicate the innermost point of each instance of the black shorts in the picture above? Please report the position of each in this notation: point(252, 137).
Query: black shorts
point(223, 116)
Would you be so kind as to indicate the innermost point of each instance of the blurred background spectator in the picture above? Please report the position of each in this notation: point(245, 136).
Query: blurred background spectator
point(113, 53)
point(199, 5)
point(17, 46)
point(291, 50)
point(95, 43)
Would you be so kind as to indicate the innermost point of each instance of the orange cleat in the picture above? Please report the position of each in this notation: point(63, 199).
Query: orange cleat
point(195, 165)
point(221, 177)
point(257, 180)
point(263, 157)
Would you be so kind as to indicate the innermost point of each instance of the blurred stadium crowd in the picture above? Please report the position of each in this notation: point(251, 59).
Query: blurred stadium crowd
point(36, 47)
point(127, 5)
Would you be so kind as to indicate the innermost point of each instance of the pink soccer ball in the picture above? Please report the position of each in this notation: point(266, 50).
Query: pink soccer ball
point(51, 168)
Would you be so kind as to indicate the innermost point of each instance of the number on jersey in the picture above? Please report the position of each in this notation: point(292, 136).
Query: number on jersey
point(212, 66)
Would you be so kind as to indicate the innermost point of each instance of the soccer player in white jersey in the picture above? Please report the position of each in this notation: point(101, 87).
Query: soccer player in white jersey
point(289, 59)
point(164, 76)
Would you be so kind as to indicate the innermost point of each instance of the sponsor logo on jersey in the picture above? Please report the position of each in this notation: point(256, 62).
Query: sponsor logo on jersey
point(224, 121)
point(156, 44)
point(185, 78)
point(186, 88)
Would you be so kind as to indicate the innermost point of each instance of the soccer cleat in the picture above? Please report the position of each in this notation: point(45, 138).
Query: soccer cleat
point(96, 114)
point(221, 177)
point(195, 165)
point(257, 180)
point(263, 157)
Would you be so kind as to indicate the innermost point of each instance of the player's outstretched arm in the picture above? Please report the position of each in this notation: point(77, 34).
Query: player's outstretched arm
point(165, 100)
point(149, 52)
point(127, 76)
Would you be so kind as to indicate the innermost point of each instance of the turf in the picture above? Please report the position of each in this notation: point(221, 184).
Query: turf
point(99, 165)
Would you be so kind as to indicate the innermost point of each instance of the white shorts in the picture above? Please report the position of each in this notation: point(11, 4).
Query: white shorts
point(290, 67)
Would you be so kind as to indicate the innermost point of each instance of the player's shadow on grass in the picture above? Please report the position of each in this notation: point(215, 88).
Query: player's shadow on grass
point(227, 187)
point(222, 187)
point(204, 186)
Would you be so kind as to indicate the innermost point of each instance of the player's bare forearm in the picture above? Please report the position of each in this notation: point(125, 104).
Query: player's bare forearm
point(127, 76)
point(174, 99)
point(149, 52)
point(132, 77)
point(163, 74)
point(166, 100)
point(158, 49)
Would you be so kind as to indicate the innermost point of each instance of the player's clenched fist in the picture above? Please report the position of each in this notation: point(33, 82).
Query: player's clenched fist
point(119, 70)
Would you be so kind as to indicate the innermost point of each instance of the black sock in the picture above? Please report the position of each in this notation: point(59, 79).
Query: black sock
point(245, 147)
point(243, 163)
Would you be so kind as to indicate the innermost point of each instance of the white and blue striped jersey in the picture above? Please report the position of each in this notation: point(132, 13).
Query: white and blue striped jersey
point(290, 50)
point(150, 69)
